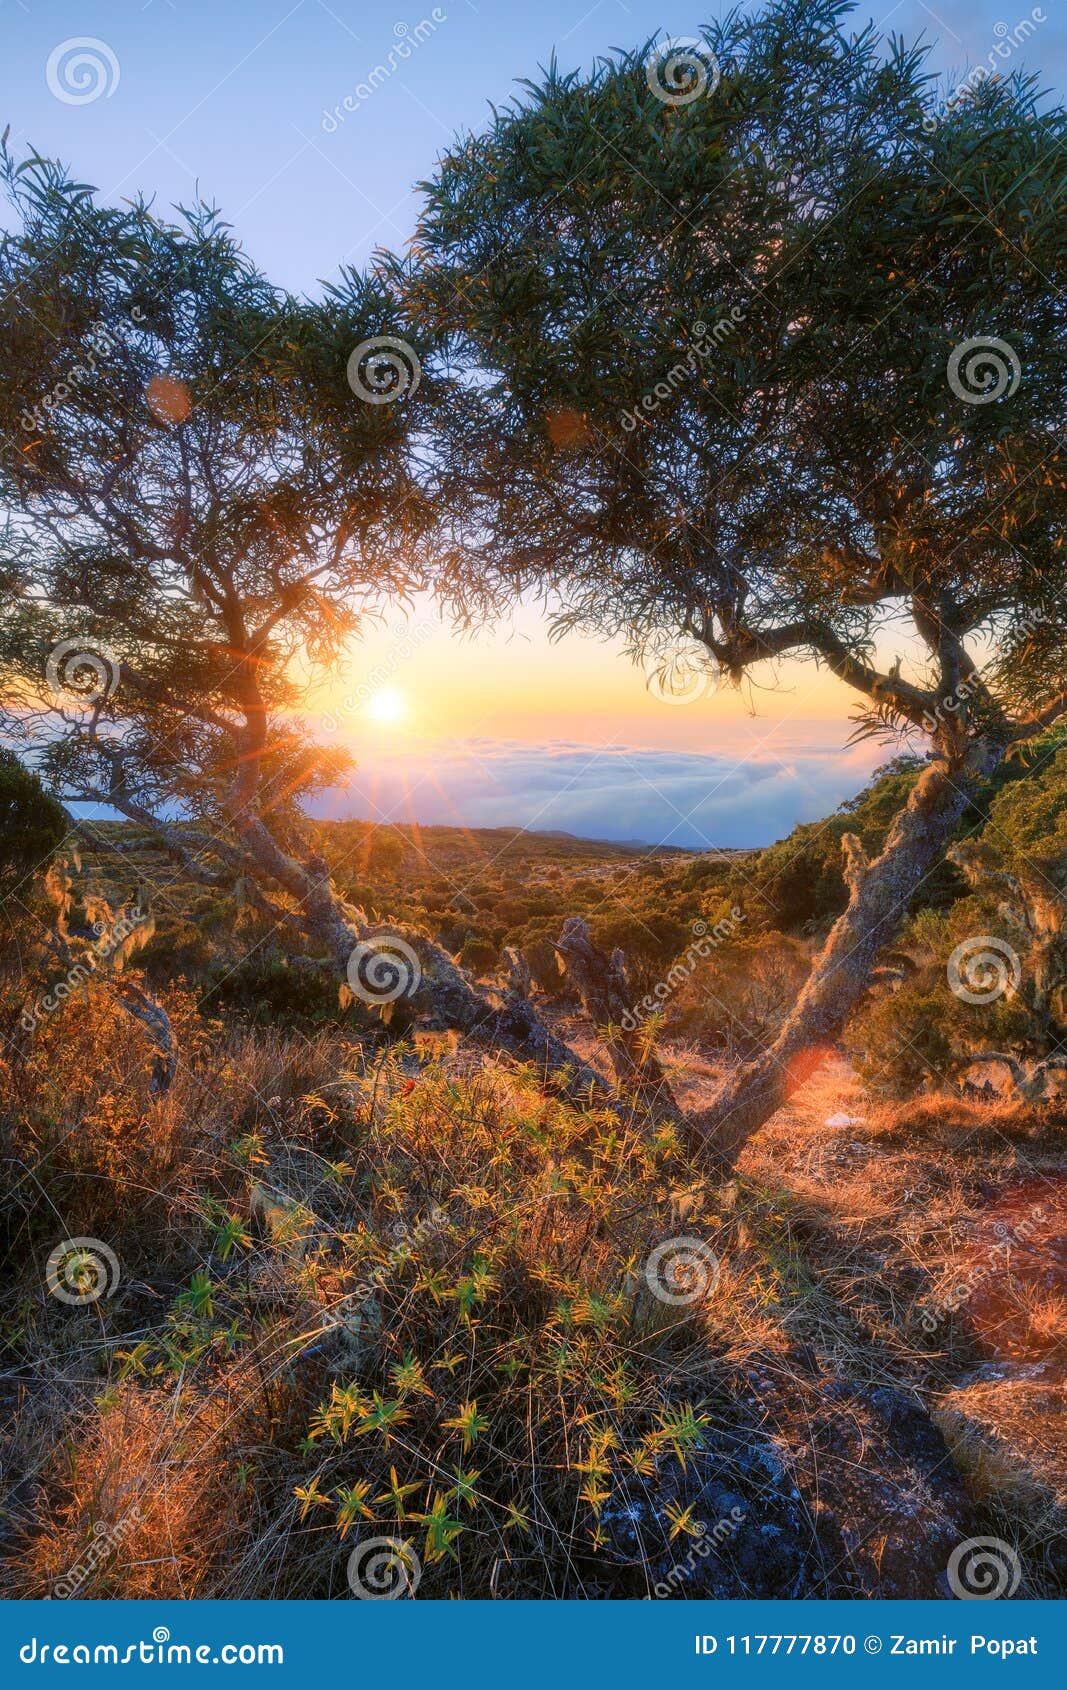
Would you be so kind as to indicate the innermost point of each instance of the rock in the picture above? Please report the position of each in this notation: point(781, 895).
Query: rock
point(819, 1488)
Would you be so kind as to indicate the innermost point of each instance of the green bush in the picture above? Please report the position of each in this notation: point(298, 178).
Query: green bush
point(32, 825)
point(923, 1033)
point(543, 963)
point(478, 956)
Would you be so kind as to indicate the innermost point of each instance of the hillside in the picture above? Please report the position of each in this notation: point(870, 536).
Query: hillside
point(349, 1280)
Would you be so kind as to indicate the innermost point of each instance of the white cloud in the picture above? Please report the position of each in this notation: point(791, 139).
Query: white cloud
point(616, 793)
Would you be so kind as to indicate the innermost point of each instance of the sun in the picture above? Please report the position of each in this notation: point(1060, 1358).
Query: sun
point(386, 706)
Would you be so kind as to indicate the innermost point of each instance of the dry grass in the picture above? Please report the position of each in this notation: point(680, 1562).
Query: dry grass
point(399, 1293)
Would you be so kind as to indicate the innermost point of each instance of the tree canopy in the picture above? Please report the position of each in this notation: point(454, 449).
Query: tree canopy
point(725, 388)
point(216, 484)
point(765, 357)
point(192, 532)
point(744, 348)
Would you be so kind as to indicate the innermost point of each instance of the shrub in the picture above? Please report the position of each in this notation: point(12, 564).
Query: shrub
point(32, 825)
point(479, 956)
point(543, 963)
point(738, 998)
point(922, 1033)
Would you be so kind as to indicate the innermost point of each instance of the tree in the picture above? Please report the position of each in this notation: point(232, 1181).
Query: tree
point(764, 357)
point(204, 509)
point(32, 825)
point(1001, 947)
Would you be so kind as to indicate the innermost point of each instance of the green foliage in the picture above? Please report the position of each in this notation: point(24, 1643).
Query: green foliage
point(205, 509)
point(923, 1033)
point(32, 825)
point(385, 851)
point(921, 1036)
point(738, 998)
point(1028, 818)
point(479, 956)
point(842, 213)
point(761, 450)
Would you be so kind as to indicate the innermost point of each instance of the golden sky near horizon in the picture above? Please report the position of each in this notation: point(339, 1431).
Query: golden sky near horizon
point(414, 677)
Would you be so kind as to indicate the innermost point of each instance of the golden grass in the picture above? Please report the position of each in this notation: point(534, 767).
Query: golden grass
point(401, 1293)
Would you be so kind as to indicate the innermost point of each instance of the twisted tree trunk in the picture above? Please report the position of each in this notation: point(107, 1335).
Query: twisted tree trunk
point(441, 989)
point(602, 985)
point(154, 1018)
point(879, 894)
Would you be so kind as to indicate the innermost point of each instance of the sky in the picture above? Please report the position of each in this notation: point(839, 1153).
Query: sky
point(245, 103)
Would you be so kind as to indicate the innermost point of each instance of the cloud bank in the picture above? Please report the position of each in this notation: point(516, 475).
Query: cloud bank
point(694, 800)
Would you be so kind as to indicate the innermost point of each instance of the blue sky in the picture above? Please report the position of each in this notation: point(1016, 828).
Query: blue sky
point(237, 101)
point(232, 96)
